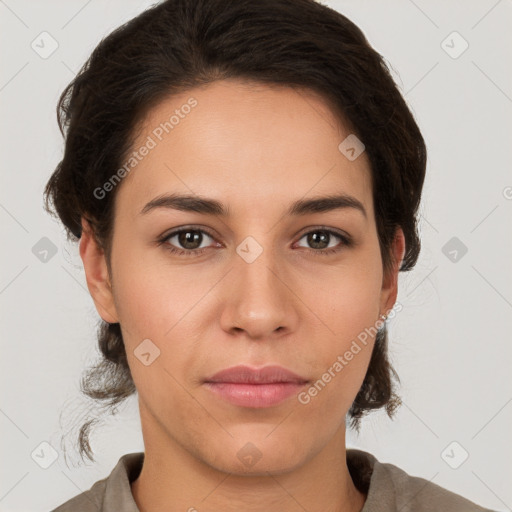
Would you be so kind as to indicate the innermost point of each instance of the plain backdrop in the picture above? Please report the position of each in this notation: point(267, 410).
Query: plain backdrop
point(450, 344)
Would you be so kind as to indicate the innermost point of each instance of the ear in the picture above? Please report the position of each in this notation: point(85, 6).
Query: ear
point(389, 290)
point(96, 273)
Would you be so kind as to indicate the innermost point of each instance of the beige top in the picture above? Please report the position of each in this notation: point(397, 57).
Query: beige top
point(388, 489)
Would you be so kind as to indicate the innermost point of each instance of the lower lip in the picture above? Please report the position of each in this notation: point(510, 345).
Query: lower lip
point(255, 395)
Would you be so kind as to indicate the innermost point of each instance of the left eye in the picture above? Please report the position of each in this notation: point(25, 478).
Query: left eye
point(319, 237)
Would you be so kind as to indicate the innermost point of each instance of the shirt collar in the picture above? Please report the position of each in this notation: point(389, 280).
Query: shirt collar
point(118, 493)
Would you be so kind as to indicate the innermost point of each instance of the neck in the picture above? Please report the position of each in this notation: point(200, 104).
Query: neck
point(172, 478)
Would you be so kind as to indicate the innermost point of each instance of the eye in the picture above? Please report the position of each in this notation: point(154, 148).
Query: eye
point(190, 239)
point(320, 239)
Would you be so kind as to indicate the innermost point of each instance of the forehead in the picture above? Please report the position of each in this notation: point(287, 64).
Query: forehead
point(245, 143)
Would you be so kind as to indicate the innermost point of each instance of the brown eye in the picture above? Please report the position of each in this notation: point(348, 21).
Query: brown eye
point(187, 241)
point(323, 241)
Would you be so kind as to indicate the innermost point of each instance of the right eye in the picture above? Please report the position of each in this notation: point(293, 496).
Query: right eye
point(190, 240)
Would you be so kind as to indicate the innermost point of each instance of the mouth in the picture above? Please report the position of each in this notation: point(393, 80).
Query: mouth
point(245, 386)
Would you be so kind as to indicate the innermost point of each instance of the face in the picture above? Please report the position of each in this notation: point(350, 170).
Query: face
point(258, 285)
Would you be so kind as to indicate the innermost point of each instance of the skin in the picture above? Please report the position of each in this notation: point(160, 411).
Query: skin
point(256, 149)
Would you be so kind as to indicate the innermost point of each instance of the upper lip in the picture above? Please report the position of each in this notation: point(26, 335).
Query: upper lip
point(243, 374)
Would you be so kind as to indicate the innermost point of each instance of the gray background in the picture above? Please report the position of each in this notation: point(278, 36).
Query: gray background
point(451, 342)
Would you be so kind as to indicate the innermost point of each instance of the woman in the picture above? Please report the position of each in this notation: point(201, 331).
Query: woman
point(244, 179)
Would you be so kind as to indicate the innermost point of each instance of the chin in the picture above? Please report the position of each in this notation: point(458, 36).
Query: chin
point(271, 464)
point(257, 454)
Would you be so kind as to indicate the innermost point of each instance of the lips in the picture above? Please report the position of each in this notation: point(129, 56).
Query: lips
point(243, 374)
point(245, 386)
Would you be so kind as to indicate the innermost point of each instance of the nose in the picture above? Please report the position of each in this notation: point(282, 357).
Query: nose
point(259, 299)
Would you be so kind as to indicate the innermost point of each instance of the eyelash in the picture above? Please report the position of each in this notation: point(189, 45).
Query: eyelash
point(346, 242)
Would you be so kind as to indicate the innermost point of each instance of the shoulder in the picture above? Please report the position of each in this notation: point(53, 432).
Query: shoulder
point(88, 501)
point(418, 494)
point(112, 493)
point(391, 488)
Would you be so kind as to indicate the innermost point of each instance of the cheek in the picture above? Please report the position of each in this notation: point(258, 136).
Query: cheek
point(348, 306)
point(346, 297)
point(341, 366)
point(157, 302)
point(150, 296)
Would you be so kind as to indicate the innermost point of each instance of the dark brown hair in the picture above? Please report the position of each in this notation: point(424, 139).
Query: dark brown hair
point(180, 44)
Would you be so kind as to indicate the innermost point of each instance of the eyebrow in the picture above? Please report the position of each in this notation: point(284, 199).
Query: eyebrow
point(194, 203)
